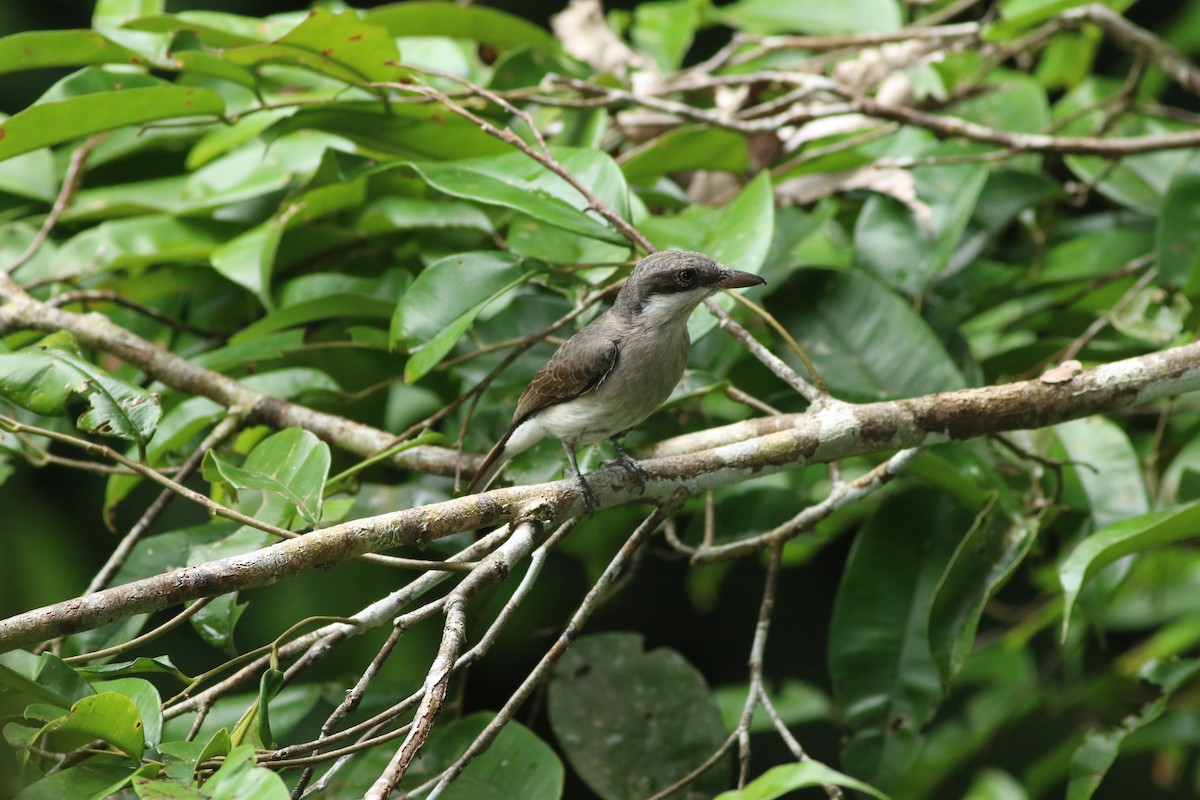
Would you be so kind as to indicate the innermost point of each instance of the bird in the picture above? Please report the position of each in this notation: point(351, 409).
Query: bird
point(619, 369)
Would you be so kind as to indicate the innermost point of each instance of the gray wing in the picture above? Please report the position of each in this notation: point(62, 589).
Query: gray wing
point(578, 367)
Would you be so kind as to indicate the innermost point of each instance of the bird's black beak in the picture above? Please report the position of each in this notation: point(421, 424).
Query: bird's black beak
point(736, 279)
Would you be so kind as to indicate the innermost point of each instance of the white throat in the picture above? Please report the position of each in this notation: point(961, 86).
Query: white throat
point(663, 310)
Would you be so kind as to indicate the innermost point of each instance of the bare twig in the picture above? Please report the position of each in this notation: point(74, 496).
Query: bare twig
point(66, 194)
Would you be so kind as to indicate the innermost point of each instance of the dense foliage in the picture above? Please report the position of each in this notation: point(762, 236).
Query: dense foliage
point(262, 277)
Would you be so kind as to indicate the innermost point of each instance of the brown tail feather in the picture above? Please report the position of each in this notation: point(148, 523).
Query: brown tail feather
point(493, 462)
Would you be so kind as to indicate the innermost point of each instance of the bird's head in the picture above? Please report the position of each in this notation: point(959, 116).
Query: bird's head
point(666, 286)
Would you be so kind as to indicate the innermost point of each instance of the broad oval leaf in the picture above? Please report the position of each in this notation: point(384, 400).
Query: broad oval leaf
point(866, 341)
point(633, 722)
point(292, 464)
point(445, 299)
point(43, 379)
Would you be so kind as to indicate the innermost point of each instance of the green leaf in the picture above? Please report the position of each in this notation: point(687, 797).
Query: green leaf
point(45, 678)
point(632, 722)
point(445, 299)
point(1092, 759)
point(292, 464)
point(139, 666)
point(114, 13)
point(688, 148)
point(477, 23)
point(905, 253)
point(1107, 467)
point(1157, 528)
point(141, 241)
point(109, 716)
point(93, 778)
point(341, 46)
point(884, 672)
point(1178, 234)
point(239, 776)
point(214, 28)
point(778, 781)
point(398, 131)
point(387, 214)
point(37, 49)
point(249, 259)
point(43, 379)
point(145, 698)
point(518, 182)
point(57, 122)
point(867, 343)
point(982, 562)
point(846, 16)
point(664, 30)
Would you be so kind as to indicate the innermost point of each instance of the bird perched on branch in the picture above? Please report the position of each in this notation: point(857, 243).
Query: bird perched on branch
point(619, 369)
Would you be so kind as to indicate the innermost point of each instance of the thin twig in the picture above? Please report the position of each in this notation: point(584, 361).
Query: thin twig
point(66, 195)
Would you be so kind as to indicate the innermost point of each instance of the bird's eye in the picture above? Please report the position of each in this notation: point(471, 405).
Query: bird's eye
point(687, 276)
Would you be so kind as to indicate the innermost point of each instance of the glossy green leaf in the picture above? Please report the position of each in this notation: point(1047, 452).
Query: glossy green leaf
point(1178, 235)
point(249, 259)
point(215, 28)
point(664, 30)
point(779, 781)
point(36, 49)
point(474, 22)
point(406, 131)
point(114, 13)
point(445, 299)
point(44, 678)
point(884, 672)
point(110, 716)
point(57, 122)
point(239, 776)
point(866, 341)
point(339, 45)
point(90, 779)
point(139, 666)
point(517, 182)
point(1092, 759)
point(145, 698)
point(683, 149)
point(1157, 528)
point(387, 214)
point(1107, 467)
point(44, 378)
point(982, 563)
point(292, 464)
point(848, 16)
point(632, 722)
point(905, 252)
point(139, 242)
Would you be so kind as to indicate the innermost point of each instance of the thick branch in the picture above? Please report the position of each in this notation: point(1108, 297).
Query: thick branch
point(832, 432)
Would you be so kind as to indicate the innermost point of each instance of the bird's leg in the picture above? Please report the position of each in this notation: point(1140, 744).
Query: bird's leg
point(629, 464)
point(589, 497)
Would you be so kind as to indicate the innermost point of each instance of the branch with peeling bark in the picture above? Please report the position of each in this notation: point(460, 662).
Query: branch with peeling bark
point(685, 465)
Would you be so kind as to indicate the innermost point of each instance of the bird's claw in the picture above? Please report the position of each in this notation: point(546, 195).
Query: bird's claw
point(631, 466)
point(585, 492)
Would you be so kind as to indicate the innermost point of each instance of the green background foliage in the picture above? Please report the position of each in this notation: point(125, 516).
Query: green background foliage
point(283, 196)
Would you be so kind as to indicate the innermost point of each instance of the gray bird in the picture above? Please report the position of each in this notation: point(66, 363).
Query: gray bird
point(619, 369)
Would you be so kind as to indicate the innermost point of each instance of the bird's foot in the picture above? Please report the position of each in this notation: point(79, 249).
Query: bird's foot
point(630, 465)
point(585, 491)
